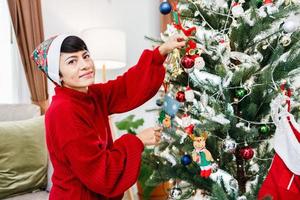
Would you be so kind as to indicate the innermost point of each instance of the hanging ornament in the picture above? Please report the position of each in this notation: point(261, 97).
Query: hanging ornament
point(187, 63)
point(165, 8)
point(229, 145)
point(175, 193)
point(159, 102)
point(246, 153)
point(259, 3)
point(290, 26)
point(265, 129)
point(186, 120)
point(199, 63)
point(240, 93)
point(237, 10)
point(204, 99)
point(165, 119)
point(226, 180)
point(180, 96)
point(266, 2)
point(170, 106)
point(202, 156)
point(189, 94)
point(186, 159)
point(258, 56)
point(189, 129)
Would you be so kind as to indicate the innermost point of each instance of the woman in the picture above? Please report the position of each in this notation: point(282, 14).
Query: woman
point(87, 163)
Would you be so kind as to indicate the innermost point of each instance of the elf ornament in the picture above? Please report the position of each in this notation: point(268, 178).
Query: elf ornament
point(201, 155)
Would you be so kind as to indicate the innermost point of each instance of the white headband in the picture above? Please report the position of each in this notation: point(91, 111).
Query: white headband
point(53, 57)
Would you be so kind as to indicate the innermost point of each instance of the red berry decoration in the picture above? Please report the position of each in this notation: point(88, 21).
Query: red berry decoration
point(246, 153)
point(180, 96)
point(189, 130)
point(187, 63)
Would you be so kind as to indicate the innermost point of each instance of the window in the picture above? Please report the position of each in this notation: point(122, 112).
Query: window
point(13, 86)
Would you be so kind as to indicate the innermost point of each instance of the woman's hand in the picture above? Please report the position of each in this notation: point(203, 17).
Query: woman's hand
point(176, 41)
point(150, 136)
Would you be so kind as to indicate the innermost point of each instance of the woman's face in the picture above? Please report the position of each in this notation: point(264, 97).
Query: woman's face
point(77, 70)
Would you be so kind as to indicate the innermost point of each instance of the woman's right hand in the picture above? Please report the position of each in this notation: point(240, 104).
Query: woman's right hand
point(150, 136)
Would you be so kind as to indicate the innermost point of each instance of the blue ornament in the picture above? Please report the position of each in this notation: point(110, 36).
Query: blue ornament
point(171, 106)
point(186, 159)
point(165, 8)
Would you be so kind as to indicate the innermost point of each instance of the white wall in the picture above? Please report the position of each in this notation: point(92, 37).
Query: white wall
point(136, 17)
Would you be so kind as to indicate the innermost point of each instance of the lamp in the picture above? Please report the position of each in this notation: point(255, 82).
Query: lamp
point(107, 48)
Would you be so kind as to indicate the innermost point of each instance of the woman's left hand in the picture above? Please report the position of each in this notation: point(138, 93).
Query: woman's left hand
point(176, 41)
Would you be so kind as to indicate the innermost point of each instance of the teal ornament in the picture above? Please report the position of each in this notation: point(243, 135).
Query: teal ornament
point(171, 106)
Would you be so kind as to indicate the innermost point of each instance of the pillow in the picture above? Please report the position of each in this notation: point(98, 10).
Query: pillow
point(23, 156)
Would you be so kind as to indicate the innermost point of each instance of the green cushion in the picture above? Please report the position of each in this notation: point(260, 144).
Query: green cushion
point(23, 156)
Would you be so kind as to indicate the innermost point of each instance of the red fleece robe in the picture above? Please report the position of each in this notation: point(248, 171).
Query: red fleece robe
point(88, 165)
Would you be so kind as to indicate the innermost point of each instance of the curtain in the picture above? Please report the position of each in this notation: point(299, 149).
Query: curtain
point(27, 21)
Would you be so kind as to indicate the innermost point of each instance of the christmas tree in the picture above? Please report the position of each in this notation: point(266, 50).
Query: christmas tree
point(215, 105)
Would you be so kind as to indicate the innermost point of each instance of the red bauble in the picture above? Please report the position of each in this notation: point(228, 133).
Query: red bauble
point(187, 62)
point(189, 130)
point(246, 153)
point(180, 96)
point(268, 2)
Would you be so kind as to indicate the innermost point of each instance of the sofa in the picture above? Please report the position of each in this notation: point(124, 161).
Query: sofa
point(25, 169)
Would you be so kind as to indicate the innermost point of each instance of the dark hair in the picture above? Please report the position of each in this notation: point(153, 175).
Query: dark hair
point(73, 44)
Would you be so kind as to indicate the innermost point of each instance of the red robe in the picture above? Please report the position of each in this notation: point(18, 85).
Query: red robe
point(88, 165)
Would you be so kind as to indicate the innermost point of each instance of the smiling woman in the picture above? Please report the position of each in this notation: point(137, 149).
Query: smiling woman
point(88, 164)
point(77, 69)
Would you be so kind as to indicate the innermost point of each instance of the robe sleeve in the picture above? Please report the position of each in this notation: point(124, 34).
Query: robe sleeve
point(140, 83)
point(109, 172)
